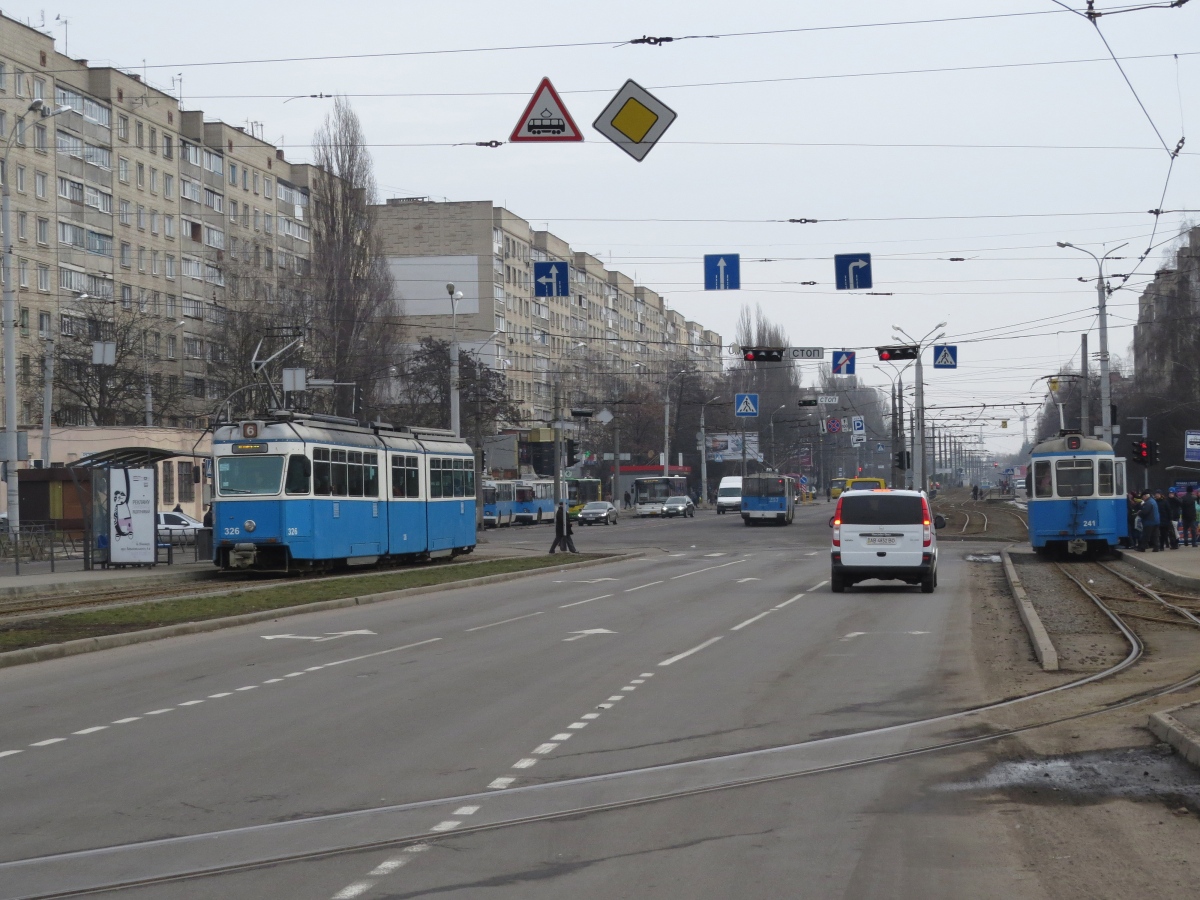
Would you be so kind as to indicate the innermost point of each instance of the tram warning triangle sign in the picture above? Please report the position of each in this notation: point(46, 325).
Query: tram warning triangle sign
point(545, 119)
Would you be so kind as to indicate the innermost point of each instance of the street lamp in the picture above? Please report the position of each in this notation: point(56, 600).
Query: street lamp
point(704, 452)
point(771, 425)
point(919, 411)
point(1106, 422)
point(667, 425)
point(10, 324)
point(455, 296)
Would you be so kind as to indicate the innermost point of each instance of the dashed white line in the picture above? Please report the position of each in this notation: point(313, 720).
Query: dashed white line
point(10, 752)
point(91, 730)
point(687, 653)
point(818, 585)
point(381, 652)
point(603, 706)
point(590, 716)
point(191, 702)
point(716, 554)
point(629, 687)
point(387, 867)
point(127, 720)
point(615, 697)
point(505, 621)
point(814, 553)
point(640, 586)
point(466, 810)
point(448, 825)
point(273, 681)
point(357, 889)
point(637, 681)
point(524, 763)
point(789, 600)
point(589, 600)
point(290, 675)
point(853, 634)
point(248, 687)
point(543, 749)
point(497, 784)
point(47, 743)
point(708, 569)
point(309, 669)
point(219, 696)
point(159, 712)
point(577, 725)
point(646, 675)
point(751, 620)
point(561, 737)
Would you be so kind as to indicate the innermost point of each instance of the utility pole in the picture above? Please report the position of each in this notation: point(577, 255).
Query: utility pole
point(557, 428)
point(1083, 393)
point(919, 428)
point(455, 423)
point(667, 432)
point(616, 495)
point(703, 459)
point(47, 400)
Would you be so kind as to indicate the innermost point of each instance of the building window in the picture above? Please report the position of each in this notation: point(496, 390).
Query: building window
point(22, 220)
point(126, 296)
point(168, 148)
point(172, 344)
point(169, 226)
point(123, 127)
point(43, 324)
point(39, 185)
point(169, 187)
point(23, 281)
point(153, 180)
point(141, 175)
point(267, 188)
point(123, 169)
point(170, 312)
point(41, 141)
point(126, 254)
point(141, 258)
point(141, 217)
point(153, 140)
point(21, 179)
point(43, 231)
point(153, 262)
point(170, 270)
point(154, 221)
point(43, 278)
point(168, 483)
point(124, 211)
point(141, 135)
point(187, 489)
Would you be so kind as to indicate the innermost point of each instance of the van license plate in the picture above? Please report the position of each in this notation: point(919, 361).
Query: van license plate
point(880, 541)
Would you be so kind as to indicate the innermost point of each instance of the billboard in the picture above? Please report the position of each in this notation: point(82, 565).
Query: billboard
point(728, 447)
point(131, 526)
point(1191, 446)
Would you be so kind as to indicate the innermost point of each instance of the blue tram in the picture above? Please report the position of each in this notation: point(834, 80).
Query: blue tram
point(768, 498)
point(1076, 490)
point(497, 503)
point(533, 501)
point(297, 492)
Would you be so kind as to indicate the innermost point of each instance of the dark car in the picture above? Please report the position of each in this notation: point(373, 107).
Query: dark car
point(679, 506)
point(598, 512)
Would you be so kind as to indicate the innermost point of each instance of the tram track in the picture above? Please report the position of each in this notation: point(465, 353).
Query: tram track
point(327, 836)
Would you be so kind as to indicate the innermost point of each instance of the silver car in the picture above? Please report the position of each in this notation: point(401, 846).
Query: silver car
point(598, 512)
point(679, 506)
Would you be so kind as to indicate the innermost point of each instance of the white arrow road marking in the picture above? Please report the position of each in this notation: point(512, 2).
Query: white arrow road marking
point(583, 634)
point(329, 636)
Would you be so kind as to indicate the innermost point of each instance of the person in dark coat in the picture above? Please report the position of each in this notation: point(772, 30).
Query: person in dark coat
point(1187, 515)
point(1148, 514)
point(627, 503)
point(208, 516)
point(1164, 519)
point(1176, 510)
point(563, 531)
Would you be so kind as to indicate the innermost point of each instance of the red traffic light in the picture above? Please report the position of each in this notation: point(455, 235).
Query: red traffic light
point(763, 354)
point(903, 351)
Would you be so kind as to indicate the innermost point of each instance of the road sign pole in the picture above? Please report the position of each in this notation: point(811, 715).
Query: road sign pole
point(919, 430)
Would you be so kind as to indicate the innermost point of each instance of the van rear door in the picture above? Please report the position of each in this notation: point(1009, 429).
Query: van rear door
point(880, 530)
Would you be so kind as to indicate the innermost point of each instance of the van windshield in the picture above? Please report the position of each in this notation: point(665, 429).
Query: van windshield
point(729, 492)
point(884, 509)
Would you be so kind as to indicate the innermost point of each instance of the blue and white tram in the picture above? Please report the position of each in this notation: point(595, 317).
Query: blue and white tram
point(497, 503)
point(1076, 490)
point(298, 493)
point(533, 501)
point(769, 498)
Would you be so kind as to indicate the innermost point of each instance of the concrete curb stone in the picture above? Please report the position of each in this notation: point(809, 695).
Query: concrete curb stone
point(1140, 562)
point(110, 641)
point(1185, 740)
point(1042, 645)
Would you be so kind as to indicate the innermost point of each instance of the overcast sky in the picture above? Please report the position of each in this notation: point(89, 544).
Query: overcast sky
point(829, 123)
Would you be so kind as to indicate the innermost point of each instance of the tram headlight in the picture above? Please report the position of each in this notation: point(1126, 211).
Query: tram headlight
point(249, 525)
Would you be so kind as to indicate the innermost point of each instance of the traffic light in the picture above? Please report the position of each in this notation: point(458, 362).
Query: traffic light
point(902, 459)
point(763, 354)
point(1141, 452)
point(571, 460)
point(903, 351)
point(1152, 457)
point(807, 401)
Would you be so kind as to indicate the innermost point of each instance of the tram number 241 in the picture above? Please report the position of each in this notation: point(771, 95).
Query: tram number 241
point(1089, 523)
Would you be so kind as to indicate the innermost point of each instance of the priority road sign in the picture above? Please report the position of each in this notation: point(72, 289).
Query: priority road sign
point(545, 119)
point(852, 271)
point(722, 272)
point(945, 356)
point(843, 362)
point(745, 405)
point(833, 425)
point(634, 120)
point(550, 279)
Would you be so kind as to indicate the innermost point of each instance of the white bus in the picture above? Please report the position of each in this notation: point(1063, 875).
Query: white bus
point(650, 493)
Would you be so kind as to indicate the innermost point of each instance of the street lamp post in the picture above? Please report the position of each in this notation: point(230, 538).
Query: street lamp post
point(919, 410)
point(704, 452)
point(10, 324)
point(455, 296)
point(1106, 422)
point(667, 425)
point(771, 425)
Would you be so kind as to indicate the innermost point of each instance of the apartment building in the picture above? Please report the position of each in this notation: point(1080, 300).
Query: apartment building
point(126, 207)
point(606, 326)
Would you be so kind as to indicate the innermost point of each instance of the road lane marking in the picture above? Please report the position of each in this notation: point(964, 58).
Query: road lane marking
point(91, 730)
point(640, 586)
point(248, 687)
point(219, 696)
point(560, 737)
point(381, 652)
point(629, 687)
point(716, 554)
point(47, 743)
point(543, 749)
point(589, 600)
point(466, 810)
point(708, 569)
point(789, 600)
point(127, 720)
point(751, 620)
point(500, 784)
point(293, 674)
point(159, 712)
point(819, 584)
point(614, 698)
point(577, 725)
point(590, 716)
point(273, 681)
point(814, 553)
point(10, 752)
point(524, 763)
point(646, 675)
point(448, 825)
point(191, 702)
point(687, 653)
point(744, 580)
point(357, 889)
point(637, 681)
point(505, 621)
point(853, 634)
point(387, 867)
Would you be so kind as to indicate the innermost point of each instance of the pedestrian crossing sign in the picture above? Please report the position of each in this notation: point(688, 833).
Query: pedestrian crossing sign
point(745, 405)
point(945, 356)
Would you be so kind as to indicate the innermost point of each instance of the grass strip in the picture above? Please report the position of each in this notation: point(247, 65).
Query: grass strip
point(154, 614)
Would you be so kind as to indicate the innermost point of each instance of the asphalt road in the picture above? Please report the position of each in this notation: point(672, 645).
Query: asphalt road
point(722, 639)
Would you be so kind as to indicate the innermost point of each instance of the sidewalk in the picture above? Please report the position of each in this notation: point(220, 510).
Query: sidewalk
point(36, 578)
point(1179, 567)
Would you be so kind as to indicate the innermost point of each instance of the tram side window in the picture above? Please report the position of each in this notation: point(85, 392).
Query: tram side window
point(458, 477)
point(322, 477)
point(370, 475)
point(1076, 477)
point(299, 471)
point(406, 478)
point(338, 471)
point(435, 478)
point(1120, 481)
point(1042, 486)
point(1106, 477)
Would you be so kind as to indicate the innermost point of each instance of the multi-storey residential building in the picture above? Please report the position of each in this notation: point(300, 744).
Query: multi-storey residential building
point(127, 204)
point(607, 325)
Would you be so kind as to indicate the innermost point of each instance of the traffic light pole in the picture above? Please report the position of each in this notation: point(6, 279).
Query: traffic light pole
point(919, 430)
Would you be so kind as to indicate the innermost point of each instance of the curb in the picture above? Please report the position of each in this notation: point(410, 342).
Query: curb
point(1042, 645)
point(1139, 561)
point(111, 641)
point(1170, 729)
point(83, 586)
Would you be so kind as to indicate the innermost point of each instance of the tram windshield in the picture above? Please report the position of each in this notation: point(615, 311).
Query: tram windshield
point(1075, 477)
point(240, 475)
point(764, 487)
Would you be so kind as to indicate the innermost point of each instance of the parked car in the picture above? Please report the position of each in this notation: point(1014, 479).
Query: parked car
point(886, 535)
point(679, 506)
point(598, 512)
point(179, 528)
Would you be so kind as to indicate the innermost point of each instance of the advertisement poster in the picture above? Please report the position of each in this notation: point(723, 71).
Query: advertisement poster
point(131, 530)
point(722, 447)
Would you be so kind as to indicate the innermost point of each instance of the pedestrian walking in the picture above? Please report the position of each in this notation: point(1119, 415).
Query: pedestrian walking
point(563, 531)
point(1164, 519)
point(1187, 515)
point(627, 503)
point(1148, 516)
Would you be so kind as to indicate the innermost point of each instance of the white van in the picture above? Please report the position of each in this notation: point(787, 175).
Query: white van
point(884, 534)
point(729, 494)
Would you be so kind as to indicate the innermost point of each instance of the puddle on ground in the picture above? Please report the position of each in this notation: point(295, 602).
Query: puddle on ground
point(1154, 773)
point(983, 557)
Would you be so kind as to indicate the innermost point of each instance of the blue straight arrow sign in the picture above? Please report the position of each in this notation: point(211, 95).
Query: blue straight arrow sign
point(722, 272)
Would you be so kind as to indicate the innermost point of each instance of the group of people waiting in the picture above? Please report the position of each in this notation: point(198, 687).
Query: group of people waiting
point(1154, 520)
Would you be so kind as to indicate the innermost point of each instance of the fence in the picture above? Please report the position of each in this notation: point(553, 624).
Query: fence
point(40, 547)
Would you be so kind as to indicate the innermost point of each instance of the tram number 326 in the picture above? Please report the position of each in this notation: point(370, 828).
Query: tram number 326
point(232, 531)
